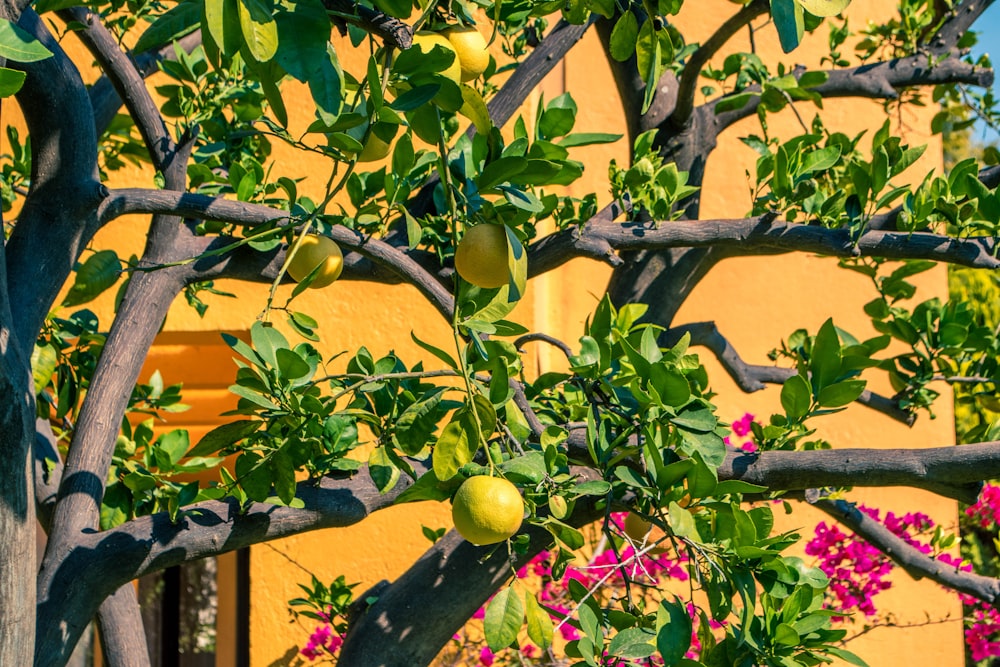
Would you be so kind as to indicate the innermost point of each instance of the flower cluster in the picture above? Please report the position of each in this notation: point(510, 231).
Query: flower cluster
point(858, 571)
point(986, 511)
point(323, 643)
point(605, 573)
point(741, 429)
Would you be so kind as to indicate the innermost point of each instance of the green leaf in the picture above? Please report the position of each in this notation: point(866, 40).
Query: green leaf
point(173, 444)
point(260, 32)
point(11, 81)
point(254, 477)
point(223, 22)
point(427, 487)
point(417, 423)
point(399, 9)
point(673, 631)
point(539, 622)
point(624, 37)
point(699, 419)
point(845, 655)
point(223, 436)
point(840, 394)
point(176, 22)
point(633, 644)
point(681, 522)
point(824, 7)
point(587, 139)
point(326, 85)
point(267, 341)
point(786, 634)
point(820, 160)
point(796, 397)
point(19, 46)
point(474, 108)
point(500, 171)
point(517, 266)
point(383, 470)
point(44, 360)
point(283, 474)
point(291, 365)
point(98, 273)
point(456, 446)
point(436, 351)
point(737, 486)
point(788, 19)
point(528, 468)
point(503, 620)
point(303, 33)
point(825, 358)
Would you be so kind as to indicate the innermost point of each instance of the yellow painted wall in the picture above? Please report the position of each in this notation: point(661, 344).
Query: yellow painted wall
point(756, 302)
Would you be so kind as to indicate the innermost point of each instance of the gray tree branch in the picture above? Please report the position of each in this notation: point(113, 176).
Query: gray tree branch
point(602, 241)
point(692, 68)
point(128, 83)
point(916, 564)
point(204, 207)
point(57, 219)
point(752, 377)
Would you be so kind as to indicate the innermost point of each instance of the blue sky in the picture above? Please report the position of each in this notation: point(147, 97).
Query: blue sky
point(988, 27)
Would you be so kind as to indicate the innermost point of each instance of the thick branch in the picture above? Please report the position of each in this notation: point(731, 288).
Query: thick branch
point(391, 31)
point(128, 83)
point(57, 219)
point(415, 616)
point(123, 637)
point(104, 99)
point(692, 69)
point(751, 377)
point(543, 59)
point(602, 241)
point(916, 564)
point(962, 17)
point(203, 207)
point(881, 80)
point(953, 472)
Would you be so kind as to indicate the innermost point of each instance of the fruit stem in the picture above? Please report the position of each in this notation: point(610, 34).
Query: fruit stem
point(459, 345)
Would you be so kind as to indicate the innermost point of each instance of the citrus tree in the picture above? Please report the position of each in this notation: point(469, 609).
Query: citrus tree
point(455, 212)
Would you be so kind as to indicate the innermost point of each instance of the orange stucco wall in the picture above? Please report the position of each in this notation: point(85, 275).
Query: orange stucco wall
point(756, 301)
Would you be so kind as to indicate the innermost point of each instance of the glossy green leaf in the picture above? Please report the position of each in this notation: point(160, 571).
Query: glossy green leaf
point(796, 397)
point(455, 447)
point(624, 37)
point(417, 423)
point(260, 32)
point(98, 273)
point(824, 7)
point(788, 19)
point(673, 631)
point(19, 46)
point(539, 622)
point(840, 394)
point(382, 469)
point(504, 618)
point(223, 436)
point(11, 81)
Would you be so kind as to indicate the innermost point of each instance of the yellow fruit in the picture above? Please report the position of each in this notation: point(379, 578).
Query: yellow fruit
point(375, 149)
point(487, 510)
point(481, 256)
point(471, 50)
point(425, 41)
point(312, 252)
point(643, 533)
